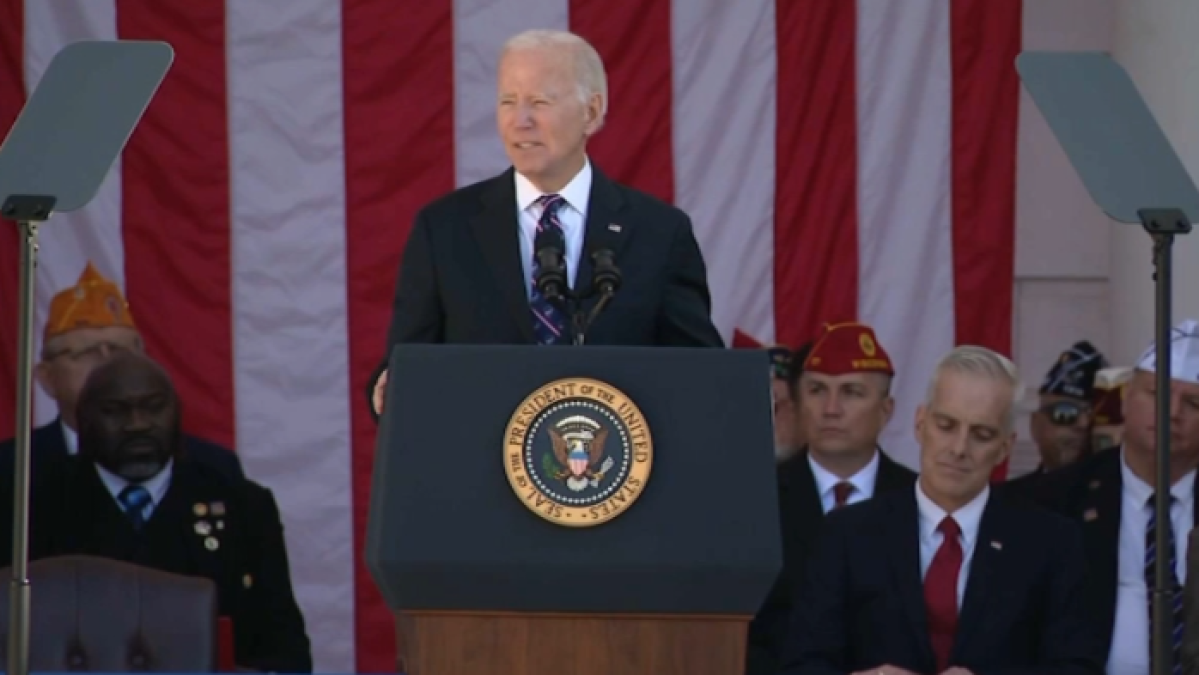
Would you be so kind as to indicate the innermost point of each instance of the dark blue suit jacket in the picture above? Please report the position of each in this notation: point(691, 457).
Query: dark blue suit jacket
point(49, 444)
point(862, 603)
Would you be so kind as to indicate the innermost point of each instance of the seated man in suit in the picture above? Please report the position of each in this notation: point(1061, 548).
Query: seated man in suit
point(88, 324)
point(468, 267)
point(1112, 495)
point(1061, 425)
point(843, 401)
point(947, 578)
point(132, 494)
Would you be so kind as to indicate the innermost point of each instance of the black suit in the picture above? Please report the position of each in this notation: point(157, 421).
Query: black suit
point(72, 512)
point(47, 443)
point(1091, 493)
point(800, 516)
point(862, 602)
point(462, 280)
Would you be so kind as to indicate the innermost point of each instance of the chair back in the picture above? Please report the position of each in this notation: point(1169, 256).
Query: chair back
point(101, 615)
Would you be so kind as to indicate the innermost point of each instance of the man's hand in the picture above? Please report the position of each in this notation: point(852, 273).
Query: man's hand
point(885, 670)
point(380, 389)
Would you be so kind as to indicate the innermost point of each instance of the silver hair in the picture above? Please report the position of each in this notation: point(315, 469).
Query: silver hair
point(983, 362)
point(588, 66)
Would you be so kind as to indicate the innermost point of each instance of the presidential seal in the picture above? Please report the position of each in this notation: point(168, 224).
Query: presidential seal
point(578, 452)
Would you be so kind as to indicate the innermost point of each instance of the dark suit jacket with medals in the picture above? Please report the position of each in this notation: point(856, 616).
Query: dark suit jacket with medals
point(48, 443)
point(862, 601)
point(207, 525)
point(800, 516)
point(461, 277)
point(1091, 493)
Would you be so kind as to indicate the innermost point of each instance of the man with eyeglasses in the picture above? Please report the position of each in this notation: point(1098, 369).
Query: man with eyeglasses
point(1061, 425)
point(86, 326)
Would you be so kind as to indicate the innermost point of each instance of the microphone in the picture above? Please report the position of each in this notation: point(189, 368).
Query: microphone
point(605, 278)
point(550, 252)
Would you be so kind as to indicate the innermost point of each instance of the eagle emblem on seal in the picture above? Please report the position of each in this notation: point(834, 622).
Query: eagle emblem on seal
point(578, 458)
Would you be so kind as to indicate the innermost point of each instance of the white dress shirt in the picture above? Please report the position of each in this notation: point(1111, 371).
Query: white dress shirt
point(156, 486)
point(571, 216)
point(1129, 653)
point(70, 437)
point(967, 518)
point(862, 481)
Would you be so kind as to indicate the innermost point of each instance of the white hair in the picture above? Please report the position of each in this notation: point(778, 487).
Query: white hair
point(982, 362)
point(588, 66)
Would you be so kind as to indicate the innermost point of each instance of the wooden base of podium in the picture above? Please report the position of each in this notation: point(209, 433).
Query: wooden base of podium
point(470, 643)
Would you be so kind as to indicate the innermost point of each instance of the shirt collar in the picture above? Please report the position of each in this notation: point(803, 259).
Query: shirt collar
point(968, 517)
point(156, 486)
point(862, 481)
point(1140, 491)
point(70, 438)
point(577, 192)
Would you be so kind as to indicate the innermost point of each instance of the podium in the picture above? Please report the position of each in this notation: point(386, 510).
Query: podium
point(574, 511)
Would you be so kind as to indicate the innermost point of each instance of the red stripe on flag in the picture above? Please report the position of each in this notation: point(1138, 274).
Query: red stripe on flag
point(399, 156)
point(12, 99)
point(816, 179)
point(986, 96)
point(175, 197)
point(635, 145)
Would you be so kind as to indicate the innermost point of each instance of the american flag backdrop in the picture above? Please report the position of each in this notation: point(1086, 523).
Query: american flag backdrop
point(839, 159)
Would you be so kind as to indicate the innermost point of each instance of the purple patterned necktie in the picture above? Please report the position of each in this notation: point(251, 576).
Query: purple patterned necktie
point(549, 322)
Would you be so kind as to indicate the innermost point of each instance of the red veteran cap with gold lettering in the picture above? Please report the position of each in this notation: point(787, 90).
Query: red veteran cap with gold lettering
point(848, 348)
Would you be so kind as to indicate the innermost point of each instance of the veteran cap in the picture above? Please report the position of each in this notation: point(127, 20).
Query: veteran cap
point(1184, 353)
point(93, 302)
point(780, 361)
point(848, 348)
point(1073, 374)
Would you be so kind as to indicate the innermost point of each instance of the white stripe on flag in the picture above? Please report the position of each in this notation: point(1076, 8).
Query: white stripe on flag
point(724, 127)
point(905, 255)
point(480, 29)
point(289, 295)
point(69, 240)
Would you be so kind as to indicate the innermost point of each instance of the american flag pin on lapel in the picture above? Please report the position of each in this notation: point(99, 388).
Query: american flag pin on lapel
point(613, 227)
point(998, 546)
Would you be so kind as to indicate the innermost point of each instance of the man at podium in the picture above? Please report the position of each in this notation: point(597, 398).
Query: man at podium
point(470, 268)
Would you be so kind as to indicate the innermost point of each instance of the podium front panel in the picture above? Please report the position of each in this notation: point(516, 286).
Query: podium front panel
point(448, 531)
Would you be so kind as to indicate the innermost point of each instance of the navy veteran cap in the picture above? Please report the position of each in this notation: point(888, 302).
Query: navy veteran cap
point(1073, 374)
point(780, 361)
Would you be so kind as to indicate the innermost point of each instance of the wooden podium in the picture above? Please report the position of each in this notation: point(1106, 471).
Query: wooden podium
point(470, 536)
point(562, 644)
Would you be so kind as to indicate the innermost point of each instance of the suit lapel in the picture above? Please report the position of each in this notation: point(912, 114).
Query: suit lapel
point(986, 573)
point(891, 476)
point(1100, 517)
point(179, 515)
point(803, 498)
point(905, 567)
point(603, 228)
point(497, 230)
point(50, 440)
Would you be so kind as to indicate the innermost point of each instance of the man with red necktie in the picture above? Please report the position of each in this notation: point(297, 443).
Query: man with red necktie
point(948, 578)
point(841, 388)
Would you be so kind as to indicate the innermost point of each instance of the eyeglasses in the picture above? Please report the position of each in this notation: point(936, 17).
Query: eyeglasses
point(94, 353)
point(1065, 413)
